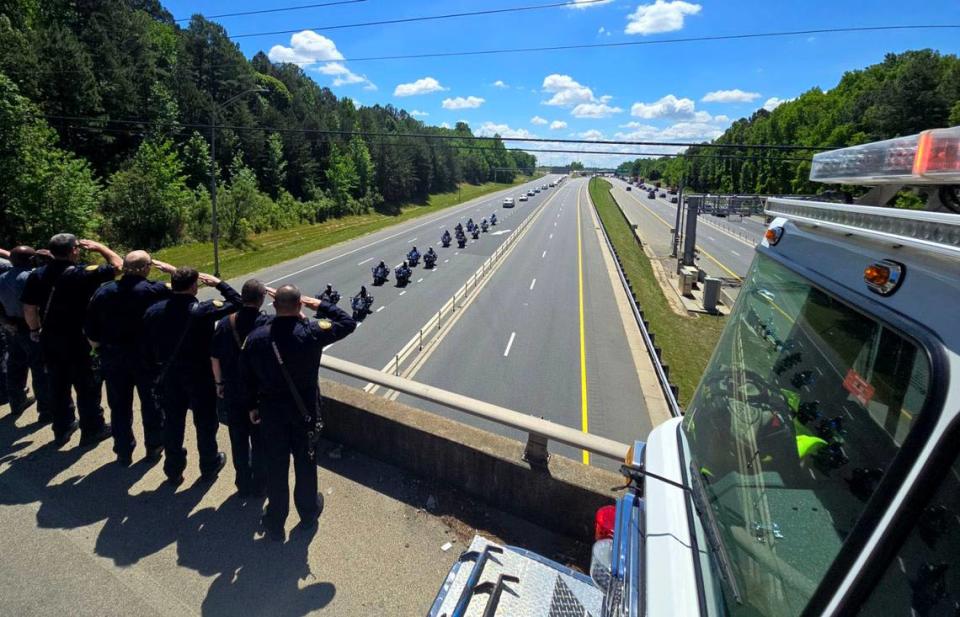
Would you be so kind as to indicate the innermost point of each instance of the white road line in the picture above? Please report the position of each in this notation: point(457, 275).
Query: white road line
point(710, 239)
point(447, 260)
point(381, 308)
point(544, 255)
point(554, 224)
point(506, 352)
point(405, 291)
point(551, 236)
point(412, 240)
point(735, 253)
point(418, 280)
point(532, 284)
point(365, 261)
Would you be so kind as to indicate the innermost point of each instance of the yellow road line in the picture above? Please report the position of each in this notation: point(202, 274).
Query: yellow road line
point(699, 248)
point(583, 346)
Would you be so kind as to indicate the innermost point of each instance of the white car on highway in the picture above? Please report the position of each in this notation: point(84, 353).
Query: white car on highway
point(530, 193)
point(508, 202)
point(523, 197)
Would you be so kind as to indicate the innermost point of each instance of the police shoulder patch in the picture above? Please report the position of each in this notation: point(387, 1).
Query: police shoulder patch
point(218, 303)
point(325, 324)
point(91, 268)
point(168, 285)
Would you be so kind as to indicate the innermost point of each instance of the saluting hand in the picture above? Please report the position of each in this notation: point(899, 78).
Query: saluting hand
point(163, 266)
point(208, 279)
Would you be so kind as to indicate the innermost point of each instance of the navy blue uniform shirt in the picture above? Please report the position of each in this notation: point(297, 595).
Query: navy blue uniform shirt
point(228, 339)
point(300, 343)
point(183, 315)
point(72, 286)
point(115, 313)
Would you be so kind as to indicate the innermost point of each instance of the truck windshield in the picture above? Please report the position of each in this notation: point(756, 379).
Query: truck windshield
point(805, 403)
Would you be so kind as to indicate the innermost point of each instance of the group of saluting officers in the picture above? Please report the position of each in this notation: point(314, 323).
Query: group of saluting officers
point(74, 327)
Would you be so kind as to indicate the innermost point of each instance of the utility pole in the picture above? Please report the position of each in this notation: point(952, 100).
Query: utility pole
point(214, 221)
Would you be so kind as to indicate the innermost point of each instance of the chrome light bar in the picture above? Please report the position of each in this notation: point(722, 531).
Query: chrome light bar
point(934, 231)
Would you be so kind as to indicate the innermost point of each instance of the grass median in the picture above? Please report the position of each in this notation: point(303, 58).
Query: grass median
point(276, 246)
point(687, 342)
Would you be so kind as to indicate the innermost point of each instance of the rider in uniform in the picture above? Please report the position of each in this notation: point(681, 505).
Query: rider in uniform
point(279, 365)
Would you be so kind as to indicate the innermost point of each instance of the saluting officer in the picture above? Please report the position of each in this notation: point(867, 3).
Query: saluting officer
point(177, 335)
point(246, 442)
point(23, 354)
point(114, 326)
point(55, 300)
point(279, 366)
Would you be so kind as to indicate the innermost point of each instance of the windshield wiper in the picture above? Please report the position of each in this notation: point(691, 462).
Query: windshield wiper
point(712, 532)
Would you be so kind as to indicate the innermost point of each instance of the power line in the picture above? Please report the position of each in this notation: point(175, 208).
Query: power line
point(406, 20)
point(443, 136)
point(275, 10)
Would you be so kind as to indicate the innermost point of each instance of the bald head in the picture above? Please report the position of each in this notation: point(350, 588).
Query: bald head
point(137, 262)
point(22, 256)
point(287, 301)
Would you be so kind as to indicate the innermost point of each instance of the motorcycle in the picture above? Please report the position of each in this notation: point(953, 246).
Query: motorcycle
point(445, 239)
point(380, 275)
point(484, 226)
point(413, 258)
point(470, 225)
point(329, 294)
point(493, 219)
point(476, 232)
point(402, 274)
point(361, 304)
point(429, 260)
point(461, 240)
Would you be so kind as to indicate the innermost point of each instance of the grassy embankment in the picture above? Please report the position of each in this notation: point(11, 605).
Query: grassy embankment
point(687, 342)
point(273, 247)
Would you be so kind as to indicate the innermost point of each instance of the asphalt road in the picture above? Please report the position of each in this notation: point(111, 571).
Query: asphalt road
point(726, 245)
point(519, 343)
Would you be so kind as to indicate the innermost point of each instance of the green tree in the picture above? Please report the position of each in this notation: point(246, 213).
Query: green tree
point(363, 164)
point(274, 167)
point(147, 203)
point(342, 176)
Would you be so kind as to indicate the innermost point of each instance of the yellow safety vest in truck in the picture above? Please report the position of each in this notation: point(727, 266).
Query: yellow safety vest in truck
point(816, 470)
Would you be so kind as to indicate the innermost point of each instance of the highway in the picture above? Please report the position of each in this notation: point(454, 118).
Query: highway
point(545, 336)
point(725, 245)
point(519, 342)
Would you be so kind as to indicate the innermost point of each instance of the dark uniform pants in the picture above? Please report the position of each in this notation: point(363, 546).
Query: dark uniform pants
point(123, 372)
point(177, 394)
point(70, 366)
point(246, 445)
point(24, 355)
point(283, 440)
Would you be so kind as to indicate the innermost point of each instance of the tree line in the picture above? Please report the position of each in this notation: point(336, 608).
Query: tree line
point(903, 95)
point(105, 126)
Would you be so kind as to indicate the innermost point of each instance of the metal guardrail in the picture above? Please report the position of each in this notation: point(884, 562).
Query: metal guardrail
point(662, 377)
point(539, 431)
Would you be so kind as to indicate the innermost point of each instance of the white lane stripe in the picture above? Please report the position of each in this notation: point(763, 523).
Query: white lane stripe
point(735, 253)
point(532, 284)
point(405, 291)
point(551, 236)
point(412, 240)
point(446, 261)
point(365, 261)
point(544, 255)
point(418, 280)
point(381, 308)
point(506, 352)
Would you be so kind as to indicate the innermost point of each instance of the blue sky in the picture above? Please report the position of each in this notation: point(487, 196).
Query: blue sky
point(684, 92)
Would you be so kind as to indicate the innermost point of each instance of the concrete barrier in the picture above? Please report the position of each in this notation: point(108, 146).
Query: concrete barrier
point(562, 498)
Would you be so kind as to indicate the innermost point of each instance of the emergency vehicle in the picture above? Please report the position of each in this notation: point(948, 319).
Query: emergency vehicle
point(815, 470)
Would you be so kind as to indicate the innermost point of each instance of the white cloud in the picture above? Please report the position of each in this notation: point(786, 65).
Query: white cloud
point(425, 85)
point(660, 16)
point(603, 31)
point(586, 4)
point(592, 135)
point(488, 129)
point(691, 131)
point(470, 102)
point(344, 76)
point(594, 110)
point(556, 125)
point(730, 96)
point(306, 48)
point(538, 120)
point(444, 125)
point(667, 107)
point(416, 113)
point(774, 102)
point(500, 84)
point(566, 91)
point(721, 119)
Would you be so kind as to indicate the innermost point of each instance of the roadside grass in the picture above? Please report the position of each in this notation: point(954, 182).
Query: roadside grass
point(276, 246)
point(687, 342)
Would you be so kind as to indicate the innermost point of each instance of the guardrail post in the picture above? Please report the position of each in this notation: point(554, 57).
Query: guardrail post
point(535, 453)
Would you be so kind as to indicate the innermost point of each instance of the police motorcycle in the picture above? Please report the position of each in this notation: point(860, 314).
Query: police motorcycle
point(361, 304)
point(329, 294)
point(413, 257)
point(484, 226)
point(470, 225)
point(458, 229)
point(430, 259)
point(445, 239)
point(493, 219)
point(475, 232)
point(380, 273)
point(461, 238)
point(402, 273)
